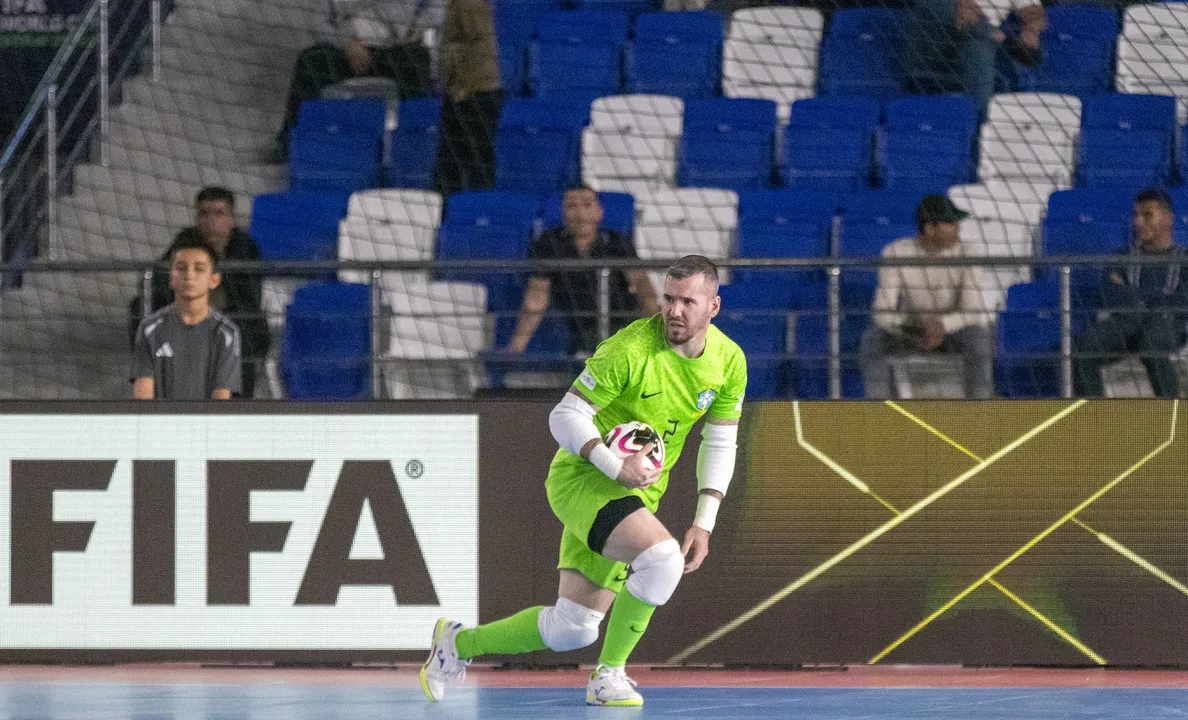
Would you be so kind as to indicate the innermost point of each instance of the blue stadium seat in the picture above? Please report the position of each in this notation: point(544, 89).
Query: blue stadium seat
point(810, 367)
point(728, 143)
point(1127, 140)
point(618, 212)
point(515, 24)
point(412, 152)
point(366, 114)
point(631, 8)
point(829, 143)
point(860, 51)
point(578, 51)
point(763, 338)
point(1123, 158)
point(928, 142)
point(870, 221)
point(488, 225)
point(326, 348)
point(1179, 197)
point(333, 161)
point(787, 223)
point(1078, 51)
point(1026, 361)
point(1123, 111)
point(676, 53)
point(1086, 221)
point(836, 111)
point(298, 225)
point(837, 159)
point(537, 145)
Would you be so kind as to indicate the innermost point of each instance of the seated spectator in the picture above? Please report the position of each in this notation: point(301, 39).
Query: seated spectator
point(363, 38)
point(575, 293)
point(238, 296)
point(952, 47)
point(1146, 306)
point(929, 309)
point(186, 350)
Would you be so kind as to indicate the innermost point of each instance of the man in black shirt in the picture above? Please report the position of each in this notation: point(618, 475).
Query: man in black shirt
point(239, 294)
point(575, 293)
point(1145, 306)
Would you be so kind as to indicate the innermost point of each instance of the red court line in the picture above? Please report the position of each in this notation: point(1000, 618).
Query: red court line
point(857, 676)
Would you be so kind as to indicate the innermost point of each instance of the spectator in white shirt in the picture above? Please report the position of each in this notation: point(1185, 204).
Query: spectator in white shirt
point(932, 308)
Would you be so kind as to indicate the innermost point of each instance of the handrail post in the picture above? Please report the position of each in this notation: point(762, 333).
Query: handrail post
point(603, 303)
point(104, 77)
point(156, 39)
point(1066, 383)
point(51, 161)
point(835, 332)
point(146, 293)
point(377, 307)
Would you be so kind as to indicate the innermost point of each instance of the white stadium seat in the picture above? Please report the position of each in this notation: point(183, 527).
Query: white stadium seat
point(388, 225)
point(684, 221)
point(771, 53)
point(631, 142)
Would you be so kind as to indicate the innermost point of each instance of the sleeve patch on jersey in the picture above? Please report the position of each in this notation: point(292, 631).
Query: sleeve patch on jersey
point(588, 380)
point(738, 405)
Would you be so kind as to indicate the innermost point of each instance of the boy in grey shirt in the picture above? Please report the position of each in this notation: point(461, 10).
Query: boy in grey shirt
point(186, 350)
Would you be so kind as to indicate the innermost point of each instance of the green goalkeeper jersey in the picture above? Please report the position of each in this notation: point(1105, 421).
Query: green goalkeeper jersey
point(635, 375)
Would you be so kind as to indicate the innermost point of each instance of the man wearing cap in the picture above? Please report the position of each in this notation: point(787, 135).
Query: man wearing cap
point(1145, 306)
point(930, 308)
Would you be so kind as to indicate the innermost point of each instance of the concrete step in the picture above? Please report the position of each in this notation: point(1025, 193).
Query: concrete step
point(289, 31)
point(92, 178)
point(208, 89)
point(170, 155)
point(143, 91)
point(200, 171)
point(260, 66)
point(90, 230)
point(176, 123)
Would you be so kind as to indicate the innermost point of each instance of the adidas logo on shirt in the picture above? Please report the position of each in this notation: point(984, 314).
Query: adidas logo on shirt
point(164, 351)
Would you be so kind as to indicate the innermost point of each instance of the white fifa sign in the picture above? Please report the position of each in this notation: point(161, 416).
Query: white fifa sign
point(236, 532)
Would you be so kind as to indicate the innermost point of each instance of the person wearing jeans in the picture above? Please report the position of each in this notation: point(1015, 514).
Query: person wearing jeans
point(951, 47)
point(929, 308)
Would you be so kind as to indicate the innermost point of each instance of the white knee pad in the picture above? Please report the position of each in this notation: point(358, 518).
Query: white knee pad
point(656, 571)
point(568, 626)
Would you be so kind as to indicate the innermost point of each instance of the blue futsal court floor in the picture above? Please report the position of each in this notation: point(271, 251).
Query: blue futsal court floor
point(195, 693)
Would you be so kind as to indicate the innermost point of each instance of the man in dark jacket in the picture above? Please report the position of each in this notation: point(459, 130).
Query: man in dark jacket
point(1145, 306)
point(238, 296)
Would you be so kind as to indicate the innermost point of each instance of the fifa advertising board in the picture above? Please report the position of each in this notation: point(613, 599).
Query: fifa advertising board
point(236, 532)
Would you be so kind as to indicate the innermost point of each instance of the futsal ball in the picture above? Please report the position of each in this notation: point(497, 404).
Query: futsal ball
point(628, 438)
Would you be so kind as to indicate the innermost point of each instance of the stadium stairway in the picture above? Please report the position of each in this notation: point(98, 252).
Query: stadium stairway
point(225, 67)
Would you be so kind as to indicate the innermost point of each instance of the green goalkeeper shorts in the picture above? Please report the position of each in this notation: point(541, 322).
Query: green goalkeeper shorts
point(576, 499)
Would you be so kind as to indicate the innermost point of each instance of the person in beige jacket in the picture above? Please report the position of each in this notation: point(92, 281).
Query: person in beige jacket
point(930, 308)
point(472, 98)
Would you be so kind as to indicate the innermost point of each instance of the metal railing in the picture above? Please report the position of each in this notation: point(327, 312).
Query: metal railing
point(67, 119)
point(1058, 270)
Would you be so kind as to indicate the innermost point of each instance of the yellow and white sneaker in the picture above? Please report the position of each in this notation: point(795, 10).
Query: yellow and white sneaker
point(443, 666)
point(610, 686)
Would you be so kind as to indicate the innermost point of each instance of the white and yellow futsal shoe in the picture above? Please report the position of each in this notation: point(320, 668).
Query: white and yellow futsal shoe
point(443, 666)
point(611, 687)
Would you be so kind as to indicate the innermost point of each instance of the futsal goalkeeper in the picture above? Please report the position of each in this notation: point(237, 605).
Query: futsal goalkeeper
point(666, 371)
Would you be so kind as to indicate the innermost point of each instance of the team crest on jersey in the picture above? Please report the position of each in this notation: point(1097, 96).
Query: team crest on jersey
point(706, 398)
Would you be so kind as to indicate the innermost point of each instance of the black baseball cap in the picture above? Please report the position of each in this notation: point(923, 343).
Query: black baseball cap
point(938, 209)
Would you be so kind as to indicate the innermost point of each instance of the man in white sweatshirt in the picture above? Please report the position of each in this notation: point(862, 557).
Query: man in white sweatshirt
point(930, 308)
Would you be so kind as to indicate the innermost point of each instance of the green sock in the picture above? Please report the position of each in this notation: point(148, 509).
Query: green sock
point(515, 634)
point(629, 618)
